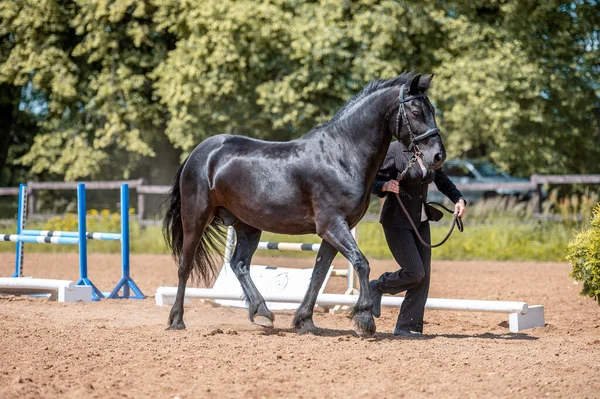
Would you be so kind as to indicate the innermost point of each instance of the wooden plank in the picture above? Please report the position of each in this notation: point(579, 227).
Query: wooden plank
point(89, 185)
point(150, 222)
point(565, 179)
point(154, 189)
point(141, 204)
point(9, 191)
point(493, 186)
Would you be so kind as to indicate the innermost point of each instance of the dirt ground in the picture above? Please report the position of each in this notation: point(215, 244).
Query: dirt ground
point(119, 348)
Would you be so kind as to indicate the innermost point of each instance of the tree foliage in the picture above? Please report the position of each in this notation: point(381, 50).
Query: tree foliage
point(111, 85)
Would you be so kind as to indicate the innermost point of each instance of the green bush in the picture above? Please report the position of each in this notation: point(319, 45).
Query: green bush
point(584, 255)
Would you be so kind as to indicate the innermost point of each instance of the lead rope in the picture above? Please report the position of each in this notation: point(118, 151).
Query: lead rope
point(456, 222)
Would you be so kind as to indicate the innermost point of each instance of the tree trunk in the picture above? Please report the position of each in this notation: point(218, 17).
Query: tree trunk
point(9, 101)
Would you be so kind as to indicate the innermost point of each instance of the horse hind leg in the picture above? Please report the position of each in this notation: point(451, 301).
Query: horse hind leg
point(247, 242)
point(191, 241)
point(195, 252)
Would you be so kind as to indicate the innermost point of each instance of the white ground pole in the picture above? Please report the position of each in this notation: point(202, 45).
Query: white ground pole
point(60, 290)
point(521, 316)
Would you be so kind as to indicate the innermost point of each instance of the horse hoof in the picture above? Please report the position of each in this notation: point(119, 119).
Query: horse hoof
point(263, 321)
point(176, 326)
point(364, 325)
point(308, 327)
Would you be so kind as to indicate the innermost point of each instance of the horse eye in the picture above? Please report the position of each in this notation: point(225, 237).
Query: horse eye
point(416, 113)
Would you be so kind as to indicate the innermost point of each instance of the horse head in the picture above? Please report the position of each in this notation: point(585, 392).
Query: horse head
point(416, 127)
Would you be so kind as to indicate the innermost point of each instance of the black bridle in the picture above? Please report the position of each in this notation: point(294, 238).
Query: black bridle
point(414, 148)
point(402, 113)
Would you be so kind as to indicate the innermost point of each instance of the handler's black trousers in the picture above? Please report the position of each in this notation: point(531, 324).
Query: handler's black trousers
point(414, 274)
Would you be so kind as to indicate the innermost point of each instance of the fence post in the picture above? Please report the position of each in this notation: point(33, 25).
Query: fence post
point(30, 201)
point(141, 206)
point(539, 198)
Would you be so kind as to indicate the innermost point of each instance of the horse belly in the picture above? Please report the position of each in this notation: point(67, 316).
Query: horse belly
point(266, 200)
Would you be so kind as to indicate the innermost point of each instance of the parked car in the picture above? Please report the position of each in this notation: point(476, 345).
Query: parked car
point(464, 171)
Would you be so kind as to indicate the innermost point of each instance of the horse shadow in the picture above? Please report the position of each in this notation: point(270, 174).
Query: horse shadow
point(384, 336)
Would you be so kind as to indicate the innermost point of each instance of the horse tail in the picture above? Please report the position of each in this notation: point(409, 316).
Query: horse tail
point(210, 249)
point(172, 226)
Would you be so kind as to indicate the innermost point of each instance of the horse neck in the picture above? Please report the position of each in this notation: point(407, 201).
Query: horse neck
point(365, 133)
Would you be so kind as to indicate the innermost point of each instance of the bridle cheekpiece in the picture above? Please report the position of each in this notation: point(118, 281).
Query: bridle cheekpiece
point(402, 113)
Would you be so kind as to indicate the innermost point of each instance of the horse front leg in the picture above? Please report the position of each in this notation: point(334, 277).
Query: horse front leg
point(303, 320)
point(338, 234)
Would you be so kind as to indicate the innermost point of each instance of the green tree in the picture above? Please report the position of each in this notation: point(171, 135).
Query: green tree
point(279, 68)
point(90, 61)
point(113, 86)
point(519, 83)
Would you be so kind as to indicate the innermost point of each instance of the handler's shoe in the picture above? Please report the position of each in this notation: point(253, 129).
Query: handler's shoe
point(376, 298)
point(406, 333)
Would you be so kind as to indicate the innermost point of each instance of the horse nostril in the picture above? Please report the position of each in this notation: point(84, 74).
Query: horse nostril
point(438, 157)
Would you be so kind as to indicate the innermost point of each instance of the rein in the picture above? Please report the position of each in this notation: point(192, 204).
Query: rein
point(456, 222)
point(416, 154)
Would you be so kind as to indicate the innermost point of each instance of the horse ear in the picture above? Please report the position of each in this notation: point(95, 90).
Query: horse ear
point(414, 84)
point(425, 83)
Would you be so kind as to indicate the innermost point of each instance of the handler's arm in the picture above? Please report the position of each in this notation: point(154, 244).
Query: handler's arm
point(386, 173)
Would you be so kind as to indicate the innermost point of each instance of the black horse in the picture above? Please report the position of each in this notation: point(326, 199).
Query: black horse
point(319, 183)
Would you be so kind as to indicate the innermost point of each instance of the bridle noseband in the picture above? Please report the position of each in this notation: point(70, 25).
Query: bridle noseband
point(402, 113)
point(414, 148)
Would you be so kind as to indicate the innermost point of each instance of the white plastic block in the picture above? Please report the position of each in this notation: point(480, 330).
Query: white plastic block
point(77, 293)
point(270, 282)
point(61, 290)
point(163, 300)
point(532, 319)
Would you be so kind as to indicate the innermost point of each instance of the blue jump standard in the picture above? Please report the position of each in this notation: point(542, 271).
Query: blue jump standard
point(126, 281)
point(20, 226)
point(82, 226)
point(79, 237)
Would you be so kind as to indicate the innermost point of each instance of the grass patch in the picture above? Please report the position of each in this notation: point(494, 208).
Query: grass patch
point(502, 240)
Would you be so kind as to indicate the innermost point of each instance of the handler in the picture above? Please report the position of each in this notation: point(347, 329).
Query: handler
point(414, 258)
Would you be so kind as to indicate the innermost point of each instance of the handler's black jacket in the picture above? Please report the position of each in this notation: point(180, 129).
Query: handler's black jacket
point(413, 188)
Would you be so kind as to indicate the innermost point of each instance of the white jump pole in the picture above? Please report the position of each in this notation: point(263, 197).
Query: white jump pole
point(229, 245)
point(350, 274)
point(521, 316)
point(61, 290)
point(350, 300)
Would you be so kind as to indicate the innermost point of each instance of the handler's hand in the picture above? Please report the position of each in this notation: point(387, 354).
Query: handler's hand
point(391, 186)
point(460, 208)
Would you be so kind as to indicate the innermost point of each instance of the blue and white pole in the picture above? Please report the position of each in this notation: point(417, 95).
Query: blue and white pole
point(72, 234)
point(126, 282)
point(20, 226)
point(82, 226)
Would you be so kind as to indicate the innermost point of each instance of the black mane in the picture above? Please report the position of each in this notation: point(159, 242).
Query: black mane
point(377, 85)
